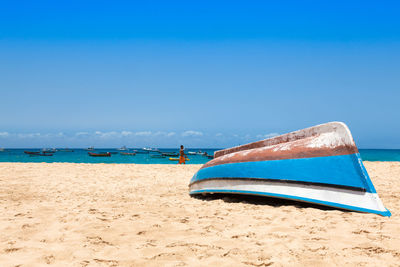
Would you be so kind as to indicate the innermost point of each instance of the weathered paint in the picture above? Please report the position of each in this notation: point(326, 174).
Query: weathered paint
point(324, 156)
point(329, 139)
point(339, 135)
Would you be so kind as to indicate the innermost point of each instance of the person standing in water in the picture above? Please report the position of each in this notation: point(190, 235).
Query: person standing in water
point(182, 156)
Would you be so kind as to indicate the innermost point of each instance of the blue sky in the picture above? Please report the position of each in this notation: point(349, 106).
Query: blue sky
point(204, 74)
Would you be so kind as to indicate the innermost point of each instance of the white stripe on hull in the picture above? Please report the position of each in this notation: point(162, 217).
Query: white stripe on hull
point(340, 196)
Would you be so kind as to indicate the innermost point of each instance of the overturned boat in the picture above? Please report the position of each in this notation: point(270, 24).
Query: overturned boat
point(318, 165)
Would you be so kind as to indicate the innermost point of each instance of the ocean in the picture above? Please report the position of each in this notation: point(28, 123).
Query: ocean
point(81, 156)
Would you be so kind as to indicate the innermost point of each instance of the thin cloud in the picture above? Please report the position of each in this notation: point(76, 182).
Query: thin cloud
point(81, 133)
point(126, 133)
point(28, 135)
point(171, 134)
point(4, 134)
point(192, 133)
point(160, 133)
point(106, 134)
point(144, 133)
point(115, 134)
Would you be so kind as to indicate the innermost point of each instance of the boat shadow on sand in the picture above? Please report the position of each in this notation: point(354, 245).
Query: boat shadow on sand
point(262, 200)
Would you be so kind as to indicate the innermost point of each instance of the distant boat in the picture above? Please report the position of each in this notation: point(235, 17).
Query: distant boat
point(319, 165)
point(38, 153)
point(32, 152)
point(127, 153)
point(2, 149)
point(44, 154)
point(150, 149)
point(140, 151)
point(65, 150)
point(197, 153)
point(169, 154)
point(122, 148)
point(161, 156)
point(106, 154)
point(90, 148)
point(47, 150)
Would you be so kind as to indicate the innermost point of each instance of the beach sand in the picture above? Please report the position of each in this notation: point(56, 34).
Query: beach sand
point(66, 214)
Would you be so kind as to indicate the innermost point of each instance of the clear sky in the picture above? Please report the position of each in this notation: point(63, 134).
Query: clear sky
point(200, 73)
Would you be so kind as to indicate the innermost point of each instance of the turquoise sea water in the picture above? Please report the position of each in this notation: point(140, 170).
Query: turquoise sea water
point(81, 156)
point(380, 154)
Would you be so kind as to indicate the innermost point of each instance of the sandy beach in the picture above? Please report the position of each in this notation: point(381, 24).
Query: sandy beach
point(66, 214)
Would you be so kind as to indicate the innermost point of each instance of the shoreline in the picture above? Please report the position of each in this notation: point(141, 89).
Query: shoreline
point(117, 214)
point(133, 163)
point(105, 163)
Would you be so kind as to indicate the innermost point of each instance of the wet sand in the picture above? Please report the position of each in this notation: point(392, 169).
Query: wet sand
point(141, 215)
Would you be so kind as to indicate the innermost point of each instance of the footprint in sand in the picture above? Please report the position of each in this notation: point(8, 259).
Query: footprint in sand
point(10, 250)
point(110, 263)
point(97, 240)
point(49, 259)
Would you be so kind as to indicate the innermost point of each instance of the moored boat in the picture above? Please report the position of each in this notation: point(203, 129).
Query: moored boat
point(158, 156)
point(318, 165)
point(169, 154)
point(200, 153)
point(127, 153)
point(123, 148)
point(141, 151)
point(148, 149)
point(65, 150)
point(31, 152)
point(38, 153)
point(106, 154)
